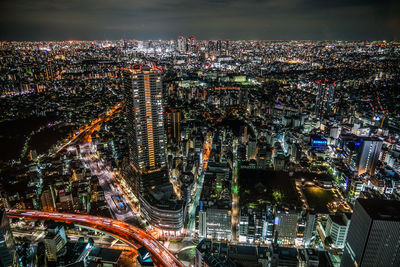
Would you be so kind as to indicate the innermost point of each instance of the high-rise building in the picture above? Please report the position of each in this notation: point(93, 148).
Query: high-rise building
point(7, 245)
point(243, 224)
point(311, 222)
point(251, 149)
point(286, 226)
point(182, 44)
point(337, 228)
point(202, 224)
point(48, 201)
point(369, 155)
point(219, 45)
point(219, 223)
point(174, 125)
point(374, 234)
point(146, 137)
point(54, 242)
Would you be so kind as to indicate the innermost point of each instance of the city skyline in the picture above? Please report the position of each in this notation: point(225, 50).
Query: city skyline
point(224, 19)
point(193, 152)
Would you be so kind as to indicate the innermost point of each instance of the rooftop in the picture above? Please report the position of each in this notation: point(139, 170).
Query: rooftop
point(381, 209)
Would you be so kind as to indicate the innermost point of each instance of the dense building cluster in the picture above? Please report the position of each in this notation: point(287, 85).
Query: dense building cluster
point(263, 153)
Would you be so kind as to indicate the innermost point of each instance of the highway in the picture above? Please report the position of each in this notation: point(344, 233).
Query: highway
point(87, 130)
point(127, 233)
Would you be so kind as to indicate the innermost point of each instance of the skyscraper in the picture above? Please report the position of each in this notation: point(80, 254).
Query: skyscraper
point(146, 137)
point(47, 199)
point(374, 234)
point(369, 155)
point(54, 242)
point(7, 245)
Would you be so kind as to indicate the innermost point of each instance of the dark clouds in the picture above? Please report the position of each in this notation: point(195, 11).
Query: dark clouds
point(206, 19)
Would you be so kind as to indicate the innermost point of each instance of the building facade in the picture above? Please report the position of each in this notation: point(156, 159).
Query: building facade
point(149, 177)
point(374, 234)
point(286, 226)
point(54, 242)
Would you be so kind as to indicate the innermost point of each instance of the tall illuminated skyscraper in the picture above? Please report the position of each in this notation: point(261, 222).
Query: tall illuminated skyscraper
point(369, 155)
point(146, 136)
point(145, 116)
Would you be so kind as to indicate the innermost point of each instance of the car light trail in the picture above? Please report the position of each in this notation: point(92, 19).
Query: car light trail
point(121, 230)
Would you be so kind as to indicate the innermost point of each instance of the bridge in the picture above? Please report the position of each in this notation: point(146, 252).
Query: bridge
point(127, 233)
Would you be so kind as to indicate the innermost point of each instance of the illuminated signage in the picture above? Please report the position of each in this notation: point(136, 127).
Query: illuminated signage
point(319, 142)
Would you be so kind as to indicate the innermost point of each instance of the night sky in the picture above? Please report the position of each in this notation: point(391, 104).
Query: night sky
point(205, 19)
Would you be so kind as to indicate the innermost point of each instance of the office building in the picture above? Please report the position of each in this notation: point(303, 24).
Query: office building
point(336, 229)
point(54, 242)
point(361, 153)
point(311, 223)
point(374, 234)
point(48, 201)
point(279, 162)
point(219, 222)
point(369, 155)
point(253, 225)
point(251, 149)
point(202, 224)
point(7, 245)
point(182, 44)
point(243, 224)
point(174, 125)
point(286, 226)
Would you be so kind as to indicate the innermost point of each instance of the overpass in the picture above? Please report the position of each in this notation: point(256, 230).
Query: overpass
point(127, 233)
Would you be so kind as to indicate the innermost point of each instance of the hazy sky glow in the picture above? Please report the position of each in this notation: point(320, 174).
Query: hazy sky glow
point(205, 19)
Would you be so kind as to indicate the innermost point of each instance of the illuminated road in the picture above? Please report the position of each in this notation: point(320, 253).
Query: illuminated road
point(121, 209)
point(121, 230)
point(199, 185)
point(235, 193)
point(87, 130)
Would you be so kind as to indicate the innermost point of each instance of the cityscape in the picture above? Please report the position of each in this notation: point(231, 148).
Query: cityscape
point(191, 151)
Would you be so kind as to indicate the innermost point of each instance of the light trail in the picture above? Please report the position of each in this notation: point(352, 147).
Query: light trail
point(123, 231)
point(90, 128)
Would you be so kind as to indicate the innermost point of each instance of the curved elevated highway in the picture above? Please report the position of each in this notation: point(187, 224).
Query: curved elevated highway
point(121, 230)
